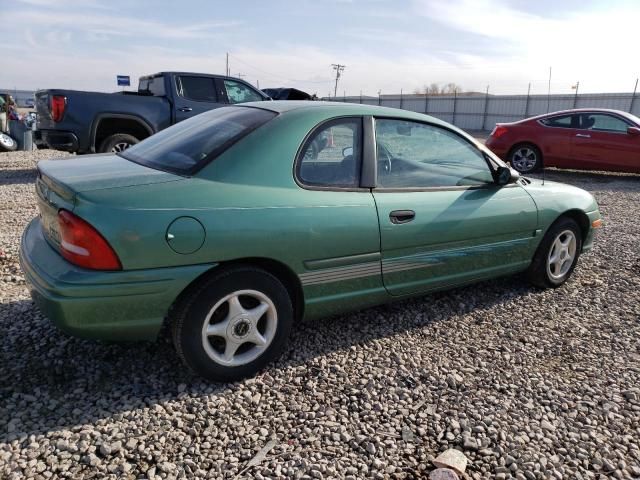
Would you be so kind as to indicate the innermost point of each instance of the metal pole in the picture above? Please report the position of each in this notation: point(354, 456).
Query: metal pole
point(227, 64)
point(486, 104)
point(575, 98)
point(549, 91)
point(455, 101)
point(526, 105)
point(426, 102)
point(400, 98)
point(361, 97)
point(379, 100)
point(633, 97)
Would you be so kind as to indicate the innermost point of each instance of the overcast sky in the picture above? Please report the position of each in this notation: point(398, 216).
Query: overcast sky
point(386, 45)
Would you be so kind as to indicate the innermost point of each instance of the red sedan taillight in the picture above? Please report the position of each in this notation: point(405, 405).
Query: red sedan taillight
point(82, 245)
point(57, 106)
point(498, 131)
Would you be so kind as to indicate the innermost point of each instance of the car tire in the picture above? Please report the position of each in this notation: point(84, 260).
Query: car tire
point(557, 254)
point(233, 323)
point(7, 143)
point(117, 143)
point(525, 158)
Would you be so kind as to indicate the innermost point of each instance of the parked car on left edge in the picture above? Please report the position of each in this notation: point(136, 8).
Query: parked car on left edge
point(92, 122)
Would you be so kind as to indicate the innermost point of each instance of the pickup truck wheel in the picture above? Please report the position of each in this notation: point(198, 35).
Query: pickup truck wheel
point(117, 143)
point(233, 324)
point(7, 143)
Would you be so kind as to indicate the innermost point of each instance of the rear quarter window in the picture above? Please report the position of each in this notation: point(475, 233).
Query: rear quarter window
point(188, 146)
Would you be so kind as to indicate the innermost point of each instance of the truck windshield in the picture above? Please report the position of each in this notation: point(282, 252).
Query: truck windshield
point(188, 146)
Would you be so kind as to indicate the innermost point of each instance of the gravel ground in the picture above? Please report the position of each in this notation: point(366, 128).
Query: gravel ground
point(529, 384)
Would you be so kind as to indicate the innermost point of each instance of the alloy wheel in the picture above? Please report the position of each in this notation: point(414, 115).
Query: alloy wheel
point(561, 254)
point(120, 147)
point(524, 159)
point(239, 328)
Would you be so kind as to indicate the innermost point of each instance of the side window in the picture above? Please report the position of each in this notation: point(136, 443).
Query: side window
point(603, 123)
point(332, 155)
point(563, 121)
point(240, 93)
point(200, 89)
point(417, 155)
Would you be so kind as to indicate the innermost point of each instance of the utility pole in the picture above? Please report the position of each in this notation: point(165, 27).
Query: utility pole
point(339, 69)
point(575, 98)
point(227, 70)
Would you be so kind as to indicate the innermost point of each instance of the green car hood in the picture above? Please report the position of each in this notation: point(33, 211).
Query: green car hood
point(97, 172)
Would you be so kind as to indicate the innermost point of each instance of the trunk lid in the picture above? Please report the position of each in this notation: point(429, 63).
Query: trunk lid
point(60, 181)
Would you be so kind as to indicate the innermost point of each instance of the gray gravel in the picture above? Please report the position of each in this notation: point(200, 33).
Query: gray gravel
point(529, 384)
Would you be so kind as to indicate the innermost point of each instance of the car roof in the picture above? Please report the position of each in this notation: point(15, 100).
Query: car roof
point(340, 108)
point(584, 110)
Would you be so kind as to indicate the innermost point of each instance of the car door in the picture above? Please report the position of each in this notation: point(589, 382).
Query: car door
point(342, 260)
point(554, 139)
point(443, 220)
point(602, 143)
point(195, 94)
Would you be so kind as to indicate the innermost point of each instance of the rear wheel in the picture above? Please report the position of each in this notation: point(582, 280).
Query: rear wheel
point(233, 324)
point(557, 254)
point(7, 143)
point(525, 158)
point(118, 142)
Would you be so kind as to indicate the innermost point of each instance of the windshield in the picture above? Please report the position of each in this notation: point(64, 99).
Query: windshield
point(188, 146)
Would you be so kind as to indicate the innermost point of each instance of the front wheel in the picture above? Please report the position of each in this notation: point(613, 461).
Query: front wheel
point(233, 324)
point(525, 158)
point(557, 254)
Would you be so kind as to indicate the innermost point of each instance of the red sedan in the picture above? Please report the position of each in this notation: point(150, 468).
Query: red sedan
point(589, 139)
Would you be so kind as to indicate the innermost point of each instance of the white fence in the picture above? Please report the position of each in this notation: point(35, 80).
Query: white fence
point(481, 112)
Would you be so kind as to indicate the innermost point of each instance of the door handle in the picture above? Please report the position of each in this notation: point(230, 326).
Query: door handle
point(583, 135)
point(185, 109)
point(402, 216)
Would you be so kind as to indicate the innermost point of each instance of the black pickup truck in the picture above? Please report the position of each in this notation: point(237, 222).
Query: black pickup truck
point(89, 122)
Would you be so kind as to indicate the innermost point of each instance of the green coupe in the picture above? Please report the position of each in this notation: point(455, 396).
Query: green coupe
point(238, 223)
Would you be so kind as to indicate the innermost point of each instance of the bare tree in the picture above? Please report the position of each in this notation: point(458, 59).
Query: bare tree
point(436, 89)
point(450, 88)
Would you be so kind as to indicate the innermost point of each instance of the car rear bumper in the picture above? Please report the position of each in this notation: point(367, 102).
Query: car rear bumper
point(59, 140)
point(498, 147)
point(126, 305)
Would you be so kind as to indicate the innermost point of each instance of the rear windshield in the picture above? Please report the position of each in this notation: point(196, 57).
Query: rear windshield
point(188, 146)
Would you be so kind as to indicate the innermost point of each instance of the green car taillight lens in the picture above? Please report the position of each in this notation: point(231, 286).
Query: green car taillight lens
point(82, 245)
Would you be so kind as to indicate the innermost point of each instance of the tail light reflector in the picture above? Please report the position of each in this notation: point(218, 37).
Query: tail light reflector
point(57, 106)
point(82, 245)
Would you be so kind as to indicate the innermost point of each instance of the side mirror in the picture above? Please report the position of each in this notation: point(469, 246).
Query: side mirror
point(347, 152)
point(633, 131)
point(506, 175)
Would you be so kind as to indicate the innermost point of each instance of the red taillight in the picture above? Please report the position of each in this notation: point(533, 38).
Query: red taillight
point(57, 105)
point(83, 245)
point(498, 131)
